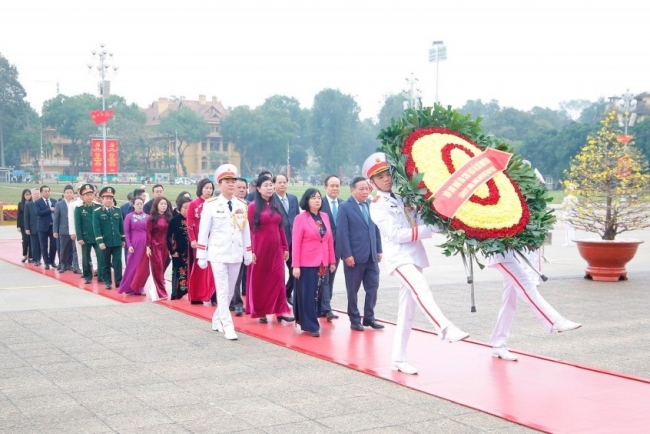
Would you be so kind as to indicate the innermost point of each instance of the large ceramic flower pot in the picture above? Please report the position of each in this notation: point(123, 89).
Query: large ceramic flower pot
point(606, 259)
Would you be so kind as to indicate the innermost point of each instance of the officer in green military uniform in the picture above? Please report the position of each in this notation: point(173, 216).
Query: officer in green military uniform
point(83, 223)
point(109, 236)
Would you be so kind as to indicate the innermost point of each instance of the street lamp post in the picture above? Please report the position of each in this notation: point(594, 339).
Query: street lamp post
point(102, 65)
point(627, 118)
point(437, 52)
point(412, 94)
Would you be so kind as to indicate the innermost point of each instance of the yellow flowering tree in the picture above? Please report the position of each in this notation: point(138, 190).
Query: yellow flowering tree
point(609, 178)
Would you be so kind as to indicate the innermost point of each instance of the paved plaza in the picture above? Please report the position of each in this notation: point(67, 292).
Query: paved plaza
point(75, 362)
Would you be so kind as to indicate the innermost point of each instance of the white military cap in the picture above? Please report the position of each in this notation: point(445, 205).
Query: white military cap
point(374, 164)
point(225, 171)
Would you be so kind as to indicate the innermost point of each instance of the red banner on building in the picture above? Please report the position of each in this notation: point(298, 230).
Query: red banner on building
point(97, 156)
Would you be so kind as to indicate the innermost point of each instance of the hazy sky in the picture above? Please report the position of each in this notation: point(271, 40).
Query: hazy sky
point(521, 53)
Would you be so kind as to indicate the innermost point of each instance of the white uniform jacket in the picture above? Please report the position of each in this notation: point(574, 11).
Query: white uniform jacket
point(399, 238)
point(224, 236)
point(71, 207)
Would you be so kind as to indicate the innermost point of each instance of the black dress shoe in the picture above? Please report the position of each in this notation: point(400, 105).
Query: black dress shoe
point(356, 326)
point(196, 302)
point(314, 334)
point(285, 318)
point(47, 266)
point(108, 287)
point(87, 281)
point(263, 320)
point(23, 260)
point(373, 324)
point(239, 311)
point(331, 315)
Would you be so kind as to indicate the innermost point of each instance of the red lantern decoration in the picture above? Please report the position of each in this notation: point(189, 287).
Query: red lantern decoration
point(101, 116)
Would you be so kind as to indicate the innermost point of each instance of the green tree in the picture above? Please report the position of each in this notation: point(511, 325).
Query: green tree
point(333, 124)
point(129, 125)
point(393, 108)
point(551, 150)
point(593, 113)
point(366, 139)
point(641, 133)
point(242, 126)
point(14, 110)
point(186, 125)
point(70, 115)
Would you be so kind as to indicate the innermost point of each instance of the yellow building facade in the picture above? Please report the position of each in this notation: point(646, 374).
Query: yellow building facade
point(200, 159)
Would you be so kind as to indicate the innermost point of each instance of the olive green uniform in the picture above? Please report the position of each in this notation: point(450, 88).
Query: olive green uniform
point(109, 230)
point(83, 223)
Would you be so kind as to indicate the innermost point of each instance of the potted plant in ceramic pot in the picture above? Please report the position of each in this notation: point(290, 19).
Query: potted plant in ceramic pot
point(609, 179)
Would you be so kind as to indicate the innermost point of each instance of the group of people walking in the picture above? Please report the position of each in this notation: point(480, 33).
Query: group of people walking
point(240, 242)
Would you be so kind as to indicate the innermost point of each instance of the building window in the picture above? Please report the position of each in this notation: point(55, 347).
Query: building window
point(204, 164)
point(204, 146)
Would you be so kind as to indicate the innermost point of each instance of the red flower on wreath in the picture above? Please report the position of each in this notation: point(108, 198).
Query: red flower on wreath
point(496, 210)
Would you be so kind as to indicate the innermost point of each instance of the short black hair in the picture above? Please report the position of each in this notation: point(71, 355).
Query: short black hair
point(43, 187)
point(330, 177)
point(202, 183)
point(308, 194)
point(356, 180)
point(156, 186)
point(242, 180)
point(138, 192)
point(181, 200)
point(68, 187)
point(265, 173)
point(275, 178)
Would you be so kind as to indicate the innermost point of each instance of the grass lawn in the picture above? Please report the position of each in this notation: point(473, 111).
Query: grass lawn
point(11, 192)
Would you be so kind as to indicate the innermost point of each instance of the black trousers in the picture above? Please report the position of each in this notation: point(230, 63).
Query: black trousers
point(236, 298)
point(26, 242)
point(48, 246)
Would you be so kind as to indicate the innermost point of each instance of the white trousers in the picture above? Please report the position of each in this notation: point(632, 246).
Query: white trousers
point(535, 259)
point(93, 257)
point(225, 277)
point(517, 282)
point(570, 234)
point(413, 291)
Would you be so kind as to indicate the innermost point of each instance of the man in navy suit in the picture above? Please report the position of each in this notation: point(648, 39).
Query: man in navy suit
point(359, 244)
point(45, 210)
point(331, 203)
point(290, 208)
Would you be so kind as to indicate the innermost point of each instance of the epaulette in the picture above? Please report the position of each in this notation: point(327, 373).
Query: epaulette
point(242, 200)
point(212, 198)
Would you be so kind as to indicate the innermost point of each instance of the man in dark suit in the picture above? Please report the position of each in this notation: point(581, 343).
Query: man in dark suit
point(61, 229)
point(31, 226)
point(290, 209)
point(331, 203)
point(45, 211)
point(158, 190)
point(359, 244)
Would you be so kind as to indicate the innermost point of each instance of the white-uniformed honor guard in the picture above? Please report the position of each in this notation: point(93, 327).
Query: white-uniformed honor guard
point(402, 230)
point(224, 239)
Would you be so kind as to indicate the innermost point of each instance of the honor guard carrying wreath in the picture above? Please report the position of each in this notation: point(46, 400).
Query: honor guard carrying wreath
point(224, 239)
point(402, 230)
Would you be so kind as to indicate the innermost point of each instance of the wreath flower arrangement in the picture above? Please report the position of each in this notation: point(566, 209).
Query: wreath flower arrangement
point(426, 146)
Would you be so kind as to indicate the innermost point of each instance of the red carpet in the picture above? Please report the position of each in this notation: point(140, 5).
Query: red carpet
point(538, 392)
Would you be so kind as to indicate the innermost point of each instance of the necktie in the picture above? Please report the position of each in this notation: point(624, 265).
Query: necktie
point(393, 195)
point(335, 209)
point(364, 211)
point(285, 204)
point(230, 205)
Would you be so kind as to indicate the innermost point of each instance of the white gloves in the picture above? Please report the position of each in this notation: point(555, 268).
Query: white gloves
point(203, 264)
point(248, 258)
